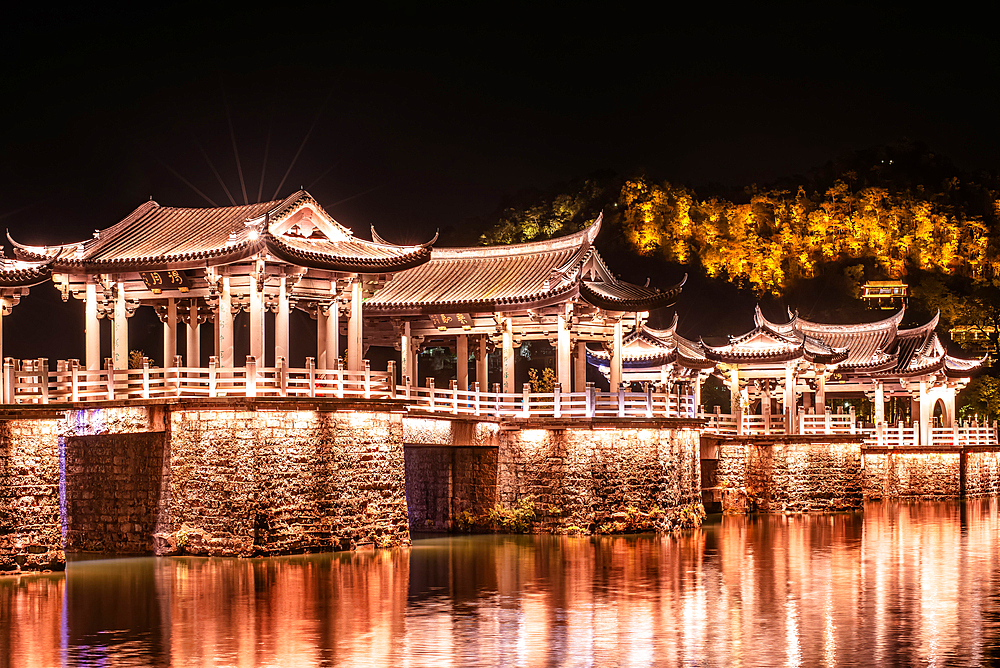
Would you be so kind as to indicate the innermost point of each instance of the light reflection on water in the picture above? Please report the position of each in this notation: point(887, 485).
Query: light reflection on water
point(899, 584)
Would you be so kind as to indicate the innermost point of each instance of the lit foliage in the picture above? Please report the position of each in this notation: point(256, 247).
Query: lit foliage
point(981, 399)
point(778, 237)
point(554, 216)
point(542, 382)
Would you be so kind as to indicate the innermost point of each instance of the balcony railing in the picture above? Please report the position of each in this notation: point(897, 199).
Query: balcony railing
point(34, 382)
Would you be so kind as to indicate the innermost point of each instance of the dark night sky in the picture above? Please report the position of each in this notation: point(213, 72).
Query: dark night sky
point(420, 120)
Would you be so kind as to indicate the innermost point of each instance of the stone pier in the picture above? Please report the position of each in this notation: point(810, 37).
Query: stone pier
point(243, 476)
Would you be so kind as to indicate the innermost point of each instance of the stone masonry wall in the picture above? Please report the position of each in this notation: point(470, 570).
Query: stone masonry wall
point(30, 525)
point(276, 481)
point(982, 473)
point(789, 474)
point(442, 482)
point(585, 477)
point(911, 474)
point(112, 491)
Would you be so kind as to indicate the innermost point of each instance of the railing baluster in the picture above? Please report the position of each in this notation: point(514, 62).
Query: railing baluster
point(368, 380)
point(556, 400)
point(340, 378)
point(526, 400)
point(475, 387)
point(251, 376)
point(430, 387)
point(390, 368)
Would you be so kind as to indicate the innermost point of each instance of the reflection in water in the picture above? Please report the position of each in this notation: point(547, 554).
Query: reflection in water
point(898, 584)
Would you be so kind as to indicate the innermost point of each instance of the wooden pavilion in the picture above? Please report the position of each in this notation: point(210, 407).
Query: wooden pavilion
point(785, 368)
point(205, 265)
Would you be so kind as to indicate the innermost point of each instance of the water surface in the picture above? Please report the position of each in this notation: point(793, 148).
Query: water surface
point(900, 584)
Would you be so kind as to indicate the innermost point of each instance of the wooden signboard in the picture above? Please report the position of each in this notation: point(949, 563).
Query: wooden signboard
point(445, 320)
point(158, 281)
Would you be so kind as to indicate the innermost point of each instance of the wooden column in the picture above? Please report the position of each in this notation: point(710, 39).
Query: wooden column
point(224, 325)
point(462, 353)
point(333, 331)
point(355, 342)
point(879, 402)
point(92, 328)
point(564, 363)
point(406, 355)
point(788, 399)
point(926, 411)
point(734, 398)
point(507, 334)
point(616, 357)
point(193, 335)
point(820, 389)
point(281, 322)
point(119, 329)
point(170, 333)
point(697, 392)
point(257, 313)
point(321, 347)
point(483, 363)
point(580, 373)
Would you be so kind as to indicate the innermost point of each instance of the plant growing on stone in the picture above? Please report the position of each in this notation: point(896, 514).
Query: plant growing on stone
point(512, 520)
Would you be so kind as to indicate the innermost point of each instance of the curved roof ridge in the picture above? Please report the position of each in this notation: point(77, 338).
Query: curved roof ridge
point(583, 238)
point(892, 321)
point(760, 320)
point(671, 329)
point(921, 330)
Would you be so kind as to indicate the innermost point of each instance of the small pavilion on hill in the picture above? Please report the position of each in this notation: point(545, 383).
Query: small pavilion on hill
point(786, 367)
point(198, 265)
point(558, 291)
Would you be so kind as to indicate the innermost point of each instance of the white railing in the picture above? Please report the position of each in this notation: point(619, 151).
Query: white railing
point(958, 435)
point(32, 381)
point(590, 403)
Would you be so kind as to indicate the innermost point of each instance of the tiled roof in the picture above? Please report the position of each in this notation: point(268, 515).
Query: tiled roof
point(489, 278)
point(648, 347)
point(155, 237)
point(17, 273)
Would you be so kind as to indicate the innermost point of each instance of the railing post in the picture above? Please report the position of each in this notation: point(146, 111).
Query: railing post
point(74, 380)
point(311, 370)
point(408, 388)
point(591, 400)
point(430, 387)
point(109, 375)
point(649, 403)
point(251, 376)
point(854, 423)
point(8, 381)
point(454, 397)
point(621, 400)
point(802, 420)
point(526, 400)
point(213, 376)
point(827, 420)
point(556, 399)
point(282, 370)
point(916, 433)
point(390, 369)
point(43, 379)
point(496, 399)
point(340, 378)
point(955, 441)
point(880, 434)
point(145, 377)
point(178, 363)
point(368, 380)
point(475, 388)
